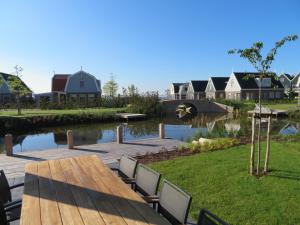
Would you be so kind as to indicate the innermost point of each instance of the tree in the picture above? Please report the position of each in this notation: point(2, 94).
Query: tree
point(17, 86)
point(132, 90)
point(262, 65)
point(111, 87)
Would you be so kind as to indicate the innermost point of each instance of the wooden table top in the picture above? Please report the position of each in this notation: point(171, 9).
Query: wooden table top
point(81, 190)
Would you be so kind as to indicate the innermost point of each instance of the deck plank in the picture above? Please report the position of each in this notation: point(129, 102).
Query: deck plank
point(67, 206)
point(98, 194)
point(30, 214)
point(49, 208)
point(85, 205)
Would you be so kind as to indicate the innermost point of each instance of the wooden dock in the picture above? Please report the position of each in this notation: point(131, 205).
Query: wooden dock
point(13, 166)
point(129, 116)
point(273, 113)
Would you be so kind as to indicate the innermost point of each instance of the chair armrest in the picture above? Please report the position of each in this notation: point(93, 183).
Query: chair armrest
point(151, 199)
point(17, 202)
point(16, 185)
point(129, 180)
point(7, 209)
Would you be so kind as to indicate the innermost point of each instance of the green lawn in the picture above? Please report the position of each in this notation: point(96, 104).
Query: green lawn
point(38, 112)
point(285, 106)
point(219, 182)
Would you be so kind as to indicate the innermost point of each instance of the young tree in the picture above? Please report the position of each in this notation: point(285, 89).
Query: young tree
point(111, 87)
point(17, 87)
point(262, 65)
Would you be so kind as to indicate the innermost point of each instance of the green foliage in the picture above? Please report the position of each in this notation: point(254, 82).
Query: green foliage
point(130, 91)
point(17, 86)
point(215, 144)
point(111, 87)
point(147, 104)
point(294, 114)
point(217, 181)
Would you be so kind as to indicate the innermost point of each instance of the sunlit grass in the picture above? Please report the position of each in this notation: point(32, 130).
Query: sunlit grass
point(219, 182)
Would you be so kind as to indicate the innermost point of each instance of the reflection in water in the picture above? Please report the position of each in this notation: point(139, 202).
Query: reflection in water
point(289, 129)
point(214, 125)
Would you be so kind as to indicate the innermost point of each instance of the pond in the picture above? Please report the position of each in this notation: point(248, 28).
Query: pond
point(211, 125)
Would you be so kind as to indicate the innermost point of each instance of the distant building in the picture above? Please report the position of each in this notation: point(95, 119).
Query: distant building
point(174, 90)
point(80, 87)
point(290, 82)
point(6, 93)
point(196, 89)
point(216, 87)
point(182, 93)
point(245, 86)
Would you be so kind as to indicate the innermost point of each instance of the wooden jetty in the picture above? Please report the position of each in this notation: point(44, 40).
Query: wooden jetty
point(266, 112)
point(110, 152)
point(129, 116)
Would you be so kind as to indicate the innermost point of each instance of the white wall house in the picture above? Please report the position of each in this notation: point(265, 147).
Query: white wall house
point(290, 82)
point(216, 87)
point(196, 89)
point(245, 86)
point(174, 91)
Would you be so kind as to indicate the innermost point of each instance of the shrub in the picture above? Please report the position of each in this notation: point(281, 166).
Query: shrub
point(147, 104)
point(216, 144)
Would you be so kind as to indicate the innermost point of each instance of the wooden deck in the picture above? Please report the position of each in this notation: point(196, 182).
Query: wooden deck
point(13, 166)
point(81, 191)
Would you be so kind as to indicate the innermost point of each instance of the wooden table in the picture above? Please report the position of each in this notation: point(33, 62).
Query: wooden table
point(81, 190)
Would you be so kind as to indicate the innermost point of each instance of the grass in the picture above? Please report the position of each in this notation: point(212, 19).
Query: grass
point(38, 112)
point(219, 182)
point(284, 106)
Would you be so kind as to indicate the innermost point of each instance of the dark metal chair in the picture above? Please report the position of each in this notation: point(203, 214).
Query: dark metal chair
point(146, 183)
point(208, 218)
point(127, 169)
point(174, 203)
point(5, 191)
point(9, 214)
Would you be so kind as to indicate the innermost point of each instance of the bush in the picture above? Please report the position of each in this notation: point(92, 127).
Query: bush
point(146, 104)
point(215, 144)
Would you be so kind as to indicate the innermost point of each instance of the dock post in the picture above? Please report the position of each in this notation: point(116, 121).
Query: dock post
point(70, 139)
point(119, 134)
point(8, 144)
point(161, 131)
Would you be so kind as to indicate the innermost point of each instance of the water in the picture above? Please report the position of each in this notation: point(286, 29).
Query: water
point(211, 125)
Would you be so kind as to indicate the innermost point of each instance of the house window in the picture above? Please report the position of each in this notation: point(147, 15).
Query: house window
point(271, 94)
point(278, 94)
point(81, 83)
point(82, 98)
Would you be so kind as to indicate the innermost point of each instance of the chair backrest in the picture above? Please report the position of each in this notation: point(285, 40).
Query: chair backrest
point(174, 204)
point(147, 180)
point(3, 219)
point(5, 194)
point(128, 166)
point(207, 218)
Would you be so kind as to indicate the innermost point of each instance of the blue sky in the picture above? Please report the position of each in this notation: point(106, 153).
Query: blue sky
point(149, 43)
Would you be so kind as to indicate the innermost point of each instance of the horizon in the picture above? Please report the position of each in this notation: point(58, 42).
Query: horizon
point(169, 41)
